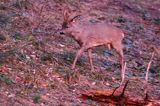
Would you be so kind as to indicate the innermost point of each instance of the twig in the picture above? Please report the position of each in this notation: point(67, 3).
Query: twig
point(125, 86)
point(146, 78)
point(114, 90)
point(123, 73)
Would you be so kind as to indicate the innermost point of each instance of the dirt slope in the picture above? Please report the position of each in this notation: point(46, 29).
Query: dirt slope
point(35, 62)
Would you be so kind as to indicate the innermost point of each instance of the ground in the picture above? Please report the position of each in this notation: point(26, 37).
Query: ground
point(35, 62)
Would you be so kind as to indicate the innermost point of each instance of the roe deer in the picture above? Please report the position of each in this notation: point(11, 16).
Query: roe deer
point(89, 35)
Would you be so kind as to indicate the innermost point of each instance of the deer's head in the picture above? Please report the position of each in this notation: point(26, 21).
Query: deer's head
point(69, 19)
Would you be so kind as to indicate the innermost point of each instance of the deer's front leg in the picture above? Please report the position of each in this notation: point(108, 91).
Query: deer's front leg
point(78, 54)
point(90, 59)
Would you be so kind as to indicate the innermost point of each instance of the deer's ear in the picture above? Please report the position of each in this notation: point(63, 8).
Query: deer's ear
point(66, 14)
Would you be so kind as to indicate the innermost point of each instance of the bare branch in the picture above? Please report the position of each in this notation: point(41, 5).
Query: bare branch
point(146, 78)
point(123, 73)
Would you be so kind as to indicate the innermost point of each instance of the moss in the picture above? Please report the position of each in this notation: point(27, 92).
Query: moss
point(121, 19)
point(157, 21)
point(67, 74)
point(5, 78)
point(46, 56)
point(38, 44)
point(36, 98)
point(3, 20)
point(97, 76)
point(68, 56)
point(17, 36)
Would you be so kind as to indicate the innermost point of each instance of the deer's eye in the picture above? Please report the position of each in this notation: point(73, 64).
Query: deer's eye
point(73, 21)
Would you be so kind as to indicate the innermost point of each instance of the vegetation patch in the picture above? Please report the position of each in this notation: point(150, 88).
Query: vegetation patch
point(6, 79)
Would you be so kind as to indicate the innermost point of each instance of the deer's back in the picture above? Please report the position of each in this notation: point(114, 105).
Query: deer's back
point(98, 34)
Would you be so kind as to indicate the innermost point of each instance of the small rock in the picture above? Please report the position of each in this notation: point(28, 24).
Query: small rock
point(11, 95)
point(61, 45)
point(2, 38)
point(3, 20)
point(93, 83)
point(108, 84)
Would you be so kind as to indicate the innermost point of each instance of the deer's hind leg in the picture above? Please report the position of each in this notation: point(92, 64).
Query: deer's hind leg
point(119, 48)
point(109, 46)
point(90, 58)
